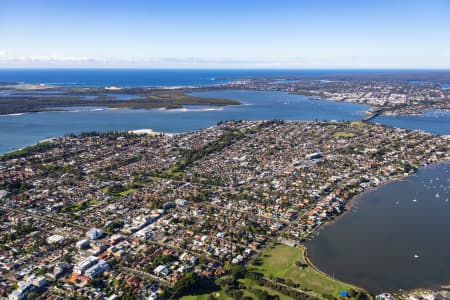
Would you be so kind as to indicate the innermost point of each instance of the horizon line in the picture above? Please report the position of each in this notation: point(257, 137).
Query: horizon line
point(225, 69)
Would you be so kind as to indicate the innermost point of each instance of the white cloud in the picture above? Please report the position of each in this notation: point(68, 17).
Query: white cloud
point(6, 59)
point(9, 60)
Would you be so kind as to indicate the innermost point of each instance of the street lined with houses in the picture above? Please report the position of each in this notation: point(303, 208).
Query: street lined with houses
point(124, 214)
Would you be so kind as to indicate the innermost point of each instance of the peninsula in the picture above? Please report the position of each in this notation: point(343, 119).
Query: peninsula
point(387, 93)
point(220, 212)
point(33, 98)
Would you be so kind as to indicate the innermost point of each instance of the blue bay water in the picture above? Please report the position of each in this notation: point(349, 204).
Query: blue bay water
point(21, 130)
point(434, 121)
point(395, 237)
point(17, 131)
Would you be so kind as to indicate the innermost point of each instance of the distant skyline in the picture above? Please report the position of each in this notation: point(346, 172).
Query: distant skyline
point(225, 34)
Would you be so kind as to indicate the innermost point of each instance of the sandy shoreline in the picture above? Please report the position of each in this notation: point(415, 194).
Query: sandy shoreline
point(148, 131)
point(144, 131)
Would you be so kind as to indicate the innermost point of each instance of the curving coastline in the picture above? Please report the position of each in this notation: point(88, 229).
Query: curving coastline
point(355, 200)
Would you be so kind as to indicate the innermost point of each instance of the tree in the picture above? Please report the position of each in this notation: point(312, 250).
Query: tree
point(191, 284)
point(238, 271)
point(32, 296)
point(227, 267)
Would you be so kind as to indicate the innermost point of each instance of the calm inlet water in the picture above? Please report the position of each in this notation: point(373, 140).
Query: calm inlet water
point(434, 121)
point(396, 237)
point(17, 131)
point(20, 130)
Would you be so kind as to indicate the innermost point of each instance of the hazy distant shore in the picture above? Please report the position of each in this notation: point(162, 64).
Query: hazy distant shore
point(50, 99)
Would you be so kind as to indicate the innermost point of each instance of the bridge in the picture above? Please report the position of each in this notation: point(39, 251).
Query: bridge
point(372, 115)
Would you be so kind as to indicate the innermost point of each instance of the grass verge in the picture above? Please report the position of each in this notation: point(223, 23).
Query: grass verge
point(292, 266)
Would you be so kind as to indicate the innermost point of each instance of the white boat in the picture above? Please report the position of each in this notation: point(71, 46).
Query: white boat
point(416, 256)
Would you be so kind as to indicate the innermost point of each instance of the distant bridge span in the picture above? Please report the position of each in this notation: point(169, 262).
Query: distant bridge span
point(372, 115)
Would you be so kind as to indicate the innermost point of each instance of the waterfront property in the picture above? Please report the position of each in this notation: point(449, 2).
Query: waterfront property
point(22, 130)
point(392, 238)
point(172, 211)
point(290, 264)
point(25, 129)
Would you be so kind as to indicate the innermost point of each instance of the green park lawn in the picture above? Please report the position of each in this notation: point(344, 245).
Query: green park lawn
point(217, 295)
point(280, 261)
point(344, 135)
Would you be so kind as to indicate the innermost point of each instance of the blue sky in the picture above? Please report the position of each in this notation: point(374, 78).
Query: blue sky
point(225, 34)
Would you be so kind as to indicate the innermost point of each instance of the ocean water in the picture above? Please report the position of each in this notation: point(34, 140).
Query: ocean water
point(395, 237)
point(154, 77)
point(138, 77)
